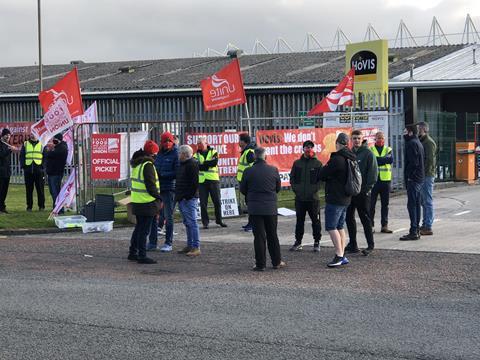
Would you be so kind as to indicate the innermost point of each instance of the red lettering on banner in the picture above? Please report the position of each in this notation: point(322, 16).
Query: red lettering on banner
point(105, 156)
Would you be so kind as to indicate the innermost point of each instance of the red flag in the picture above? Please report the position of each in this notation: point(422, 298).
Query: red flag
point(66, 89)
point(224, 88)
point(341, 95)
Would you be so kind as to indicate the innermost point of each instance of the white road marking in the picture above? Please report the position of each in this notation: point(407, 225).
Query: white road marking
point(462, 213)
point(398, 230)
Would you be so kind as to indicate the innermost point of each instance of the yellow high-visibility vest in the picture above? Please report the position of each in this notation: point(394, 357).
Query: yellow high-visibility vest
point(243, 164)
point(384, 171)
point(140, 194)
point(211, 173)
point(33, 153)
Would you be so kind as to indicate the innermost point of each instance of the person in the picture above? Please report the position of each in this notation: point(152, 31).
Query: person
point(31, 159)
point(307, 195)
point(334, 173)
point(209, 181)
point(260, 185)
point(383, 185)
point(414, 175)
point(5, 168)
point(186, 194)
point(361, 202)
point(146, 200)
point(55, 161)
point(245, 161)
point(166, 164)
point(430, 150)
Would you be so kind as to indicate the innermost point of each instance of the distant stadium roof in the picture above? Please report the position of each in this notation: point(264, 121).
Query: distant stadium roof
point(309, 69)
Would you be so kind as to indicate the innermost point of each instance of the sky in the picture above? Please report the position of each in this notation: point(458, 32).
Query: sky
point(116, 30)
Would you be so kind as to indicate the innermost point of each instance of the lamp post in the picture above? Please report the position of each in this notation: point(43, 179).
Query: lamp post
point(40, 69)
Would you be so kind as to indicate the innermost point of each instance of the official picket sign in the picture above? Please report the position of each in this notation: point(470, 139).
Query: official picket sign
point(105, 156)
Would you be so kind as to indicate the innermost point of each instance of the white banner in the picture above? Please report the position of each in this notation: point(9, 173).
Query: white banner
point(56, 120)
point(67, 195)
point(137, 140)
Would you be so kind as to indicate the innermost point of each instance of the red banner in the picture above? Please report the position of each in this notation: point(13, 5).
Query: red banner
point(19, 131)
point(224, 88)
point(226, 144)
point(105, 156)
point(283, 147)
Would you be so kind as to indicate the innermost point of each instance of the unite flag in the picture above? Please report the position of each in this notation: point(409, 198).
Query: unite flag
point(224, 88)
point(341, 95)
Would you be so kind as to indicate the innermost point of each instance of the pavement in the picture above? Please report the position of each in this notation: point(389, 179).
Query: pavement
point(75, 296)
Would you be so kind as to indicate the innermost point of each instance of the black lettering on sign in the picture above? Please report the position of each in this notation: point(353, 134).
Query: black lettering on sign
point(364, 63)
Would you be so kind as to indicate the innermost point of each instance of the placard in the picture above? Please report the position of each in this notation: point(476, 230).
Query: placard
point(105, 156)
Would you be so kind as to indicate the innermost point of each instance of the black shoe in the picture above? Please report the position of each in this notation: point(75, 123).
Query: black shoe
point(297, 246)
point(222, 224)
point(146, 260)
point(258, 268)
point(29, 209)
point(410, 237)
point(41, 209)
point(316, 246)
point(4, 211)
point(337, 261)
point(132, 257)
point(205, 227)
point(281, 265)
point(351, 250)
point(367, 251)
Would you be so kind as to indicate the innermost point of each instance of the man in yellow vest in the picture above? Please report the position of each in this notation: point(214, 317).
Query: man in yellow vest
point(383, 186)
point(31, 159)
point(246, 160)
point(208, 181)
point(146, 200)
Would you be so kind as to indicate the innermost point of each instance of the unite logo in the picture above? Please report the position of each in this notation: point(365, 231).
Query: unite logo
point(59, 96)
point(221, 88)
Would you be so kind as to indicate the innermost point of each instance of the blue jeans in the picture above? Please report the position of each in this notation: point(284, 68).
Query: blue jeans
point(427, 202)
point(188, 209)
point(413, 204)
point(166, 216)
point(139, 236)
point(335, 217)
point(55, 185)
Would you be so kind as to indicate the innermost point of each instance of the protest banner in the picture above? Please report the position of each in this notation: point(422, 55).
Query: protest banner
point(226, 144)
point(361, 120)
point(19, 132)
point(133, 141)
point(66, 197)
point(56, 120)
point(105, 156)
point(228, 199)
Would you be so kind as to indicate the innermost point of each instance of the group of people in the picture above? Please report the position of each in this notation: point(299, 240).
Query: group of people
point(37, 161)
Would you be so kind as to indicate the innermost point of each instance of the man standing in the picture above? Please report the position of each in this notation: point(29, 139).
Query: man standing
point(209, 181)
point(334, 173)
point(430, 149)
point(383, 185)
point(31, 158)
point(5, 168)
point(260, 185)
point(414, 175)
point(55, 161)
point(245, 161)
point(186, 194)
point(303, 179)
point(166, 164)
point(361, 202)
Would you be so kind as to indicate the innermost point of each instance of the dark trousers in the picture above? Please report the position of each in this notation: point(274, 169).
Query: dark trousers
point(205, 189)
point(414, 205)
point(381, 188)
point(4, 183)
point(313, 210)
point(54, 186)
point(361, 203)
point(37, 179)
point(265, 230)
point(138, 241)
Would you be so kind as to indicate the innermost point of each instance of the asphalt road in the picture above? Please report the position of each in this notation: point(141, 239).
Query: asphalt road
point(69, 296)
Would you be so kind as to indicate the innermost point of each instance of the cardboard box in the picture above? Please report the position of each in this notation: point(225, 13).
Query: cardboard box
point(127, 201)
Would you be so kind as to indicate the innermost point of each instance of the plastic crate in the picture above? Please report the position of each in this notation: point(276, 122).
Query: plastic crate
point(97, 226)
point(65, 222)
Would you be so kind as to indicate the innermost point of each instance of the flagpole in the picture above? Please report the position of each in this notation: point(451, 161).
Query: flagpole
point(248, 118)
point(40, 69)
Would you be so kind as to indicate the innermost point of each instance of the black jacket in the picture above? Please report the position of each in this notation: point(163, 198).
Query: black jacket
point(260, 185)
point(187, 180)
point(33, 168)
point(334, 173)
point(250, 156)
point(368, 167)
point(414, 169)
point(207, 164)
point(56, 159)
point(151, 208)
point(303, 178)
point(5, 161)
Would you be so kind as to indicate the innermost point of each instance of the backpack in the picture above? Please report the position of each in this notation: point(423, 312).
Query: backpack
point(353, 185)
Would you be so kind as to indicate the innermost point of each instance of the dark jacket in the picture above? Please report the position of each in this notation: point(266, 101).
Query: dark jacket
point(166, 164)
point(430, 150)
point(260, 185)
point(187, 180)
point(334, 173)
point(33, 168)
point(368, 167)
point(250, 155)
point(151, 208)
point(5, 161)
point(414, 167)
point(303, 178)
point(56, 159)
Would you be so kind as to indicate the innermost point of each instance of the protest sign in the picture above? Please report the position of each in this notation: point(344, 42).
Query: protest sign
point(56, 120)
point(105, 156)
point(361, 120)
point(134, 142)
point(228, 199)
point(19, 132)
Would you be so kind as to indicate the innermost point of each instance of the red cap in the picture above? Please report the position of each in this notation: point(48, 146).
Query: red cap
point(166, 136)
point(151, 147)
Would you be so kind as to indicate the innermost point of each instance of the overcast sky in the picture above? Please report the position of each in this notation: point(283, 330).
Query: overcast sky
point(111, 30)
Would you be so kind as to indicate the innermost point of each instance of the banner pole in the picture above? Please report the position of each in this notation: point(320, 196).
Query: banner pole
point(248, 119)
